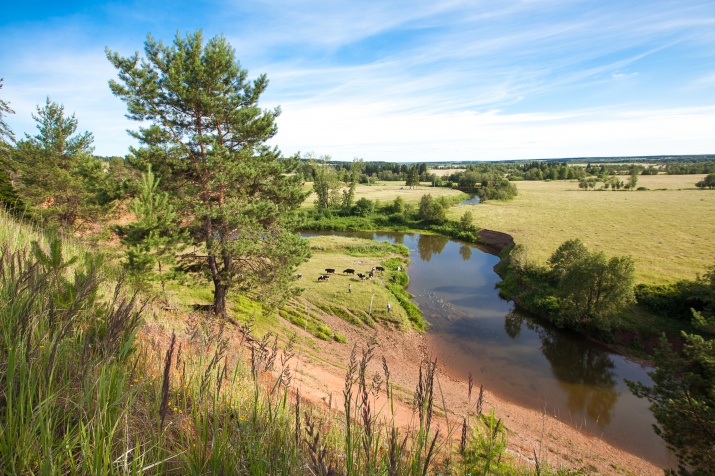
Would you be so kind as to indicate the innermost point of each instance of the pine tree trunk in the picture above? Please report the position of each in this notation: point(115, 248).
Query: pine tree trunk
point(219, 305)
point(220, 288)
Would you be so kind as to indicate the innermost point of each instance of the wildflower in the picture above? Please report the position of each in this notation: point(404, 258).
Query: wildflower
point(243, 418)
point(181, 412)
point(42, 347)
point(176, 409)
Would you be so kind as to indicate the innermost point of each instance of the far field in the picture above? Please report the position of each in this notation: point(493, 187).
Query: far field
point(668, 229)
point(386, 192)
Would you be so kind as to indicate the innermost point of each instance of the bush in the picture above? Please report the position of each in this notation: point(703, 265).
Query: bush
point(671, 300)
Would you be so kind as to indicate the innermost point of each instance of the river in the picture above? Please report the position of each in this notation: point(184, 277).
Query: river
point(521, 358)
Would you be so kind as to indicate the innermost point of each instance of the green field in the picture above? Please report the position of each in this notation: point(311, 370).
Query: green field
point(332, 297)
point(667, 229)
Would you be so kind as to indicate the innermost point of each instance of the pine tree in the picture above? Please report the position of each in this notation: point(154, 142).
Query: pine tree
point(154, 237)
point(207, 143)
point(56, 168)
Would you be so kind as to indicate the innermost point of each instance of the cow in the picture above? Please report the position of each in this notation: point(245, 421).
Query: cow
point(348, 271)
point(323, 277)
point(300, 275)
point(379, 268)
point(361, 276)
point(371, 274)
point(330, 270)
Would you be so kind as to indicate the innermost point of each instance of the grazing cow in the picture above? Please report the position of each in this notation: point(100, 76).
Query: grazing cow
point(330, 270)
point(323, 277)
point(361, 276)
point(348, 271)
point(371, 274)
point(379, 268)
point(300, 275)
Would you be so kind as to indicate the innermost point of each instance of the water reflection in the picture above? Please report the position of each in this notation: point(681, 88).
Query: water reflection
point(512, 324)
point(465, 251)
point(428, 245)
point(586, 373)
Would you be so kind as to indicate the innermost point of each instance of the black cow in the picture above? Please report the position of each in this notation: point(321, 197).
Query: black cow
point(300, 275)
point(379, 268)
point(330, 270)
point(348, 271)
point(361, 276)
point(323, 277)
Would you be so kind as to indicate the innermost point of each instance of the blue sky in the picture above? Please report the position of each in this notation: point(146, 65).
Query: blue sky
point(402, 80)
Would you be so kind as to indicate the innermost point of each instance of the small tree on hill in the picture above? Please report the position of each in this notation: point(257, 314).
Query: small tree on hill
point(155, 237)
point(56, 168)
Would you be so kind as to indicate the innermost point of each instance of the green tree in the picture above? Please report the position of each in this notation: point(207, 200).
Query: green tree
point(431, 211)
point(56, 168)
point(6, 134)
point(705, 321)
point(413, 177)
point(467, 222)
point(356, 167)
point(154, 237)
point(591, 288)
point(8, 196)
point(707, 182)
point(363, 207)
point(683, 402)
point(207, 142)
point(633, 181)
point(325, 185)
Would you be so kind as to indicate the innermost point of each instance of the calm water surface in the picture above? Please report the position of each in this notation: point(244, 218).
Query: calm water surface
point(521, 358)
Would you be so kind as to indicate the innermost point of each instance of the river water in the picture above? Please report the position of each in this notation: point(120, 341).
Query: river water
point(521, 358)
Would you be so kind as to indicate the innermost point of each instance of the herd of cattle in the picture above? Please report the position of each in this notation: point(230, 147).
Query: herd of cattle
point(367, 275)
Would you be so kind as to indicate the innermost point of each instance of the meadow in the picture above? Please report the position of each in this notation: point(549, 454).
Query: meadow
point(386, 192)
point(667, 229)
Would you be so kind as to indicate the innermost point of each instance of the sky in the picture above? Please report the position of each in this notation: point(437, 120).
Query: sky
point(401, 81)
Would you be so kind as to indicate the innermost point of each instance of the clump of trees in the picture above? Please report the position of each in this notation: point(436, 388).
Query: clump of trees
point(53, 176)
point(707, 182)
point(490, 184)
point(578, 288)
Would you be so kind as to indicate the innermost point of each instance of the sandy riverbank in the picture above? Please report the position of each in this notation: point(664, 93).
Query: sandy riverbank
point(321, 375)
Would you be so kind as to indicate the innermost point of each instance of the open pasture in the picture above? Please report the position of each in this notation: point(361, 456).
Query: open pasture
point(386, 192)
point(332, 297)
point(668, 229)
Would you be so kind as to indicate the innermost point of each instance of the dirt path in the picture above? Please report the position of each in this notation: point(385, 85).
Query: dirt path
point(320, 371)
